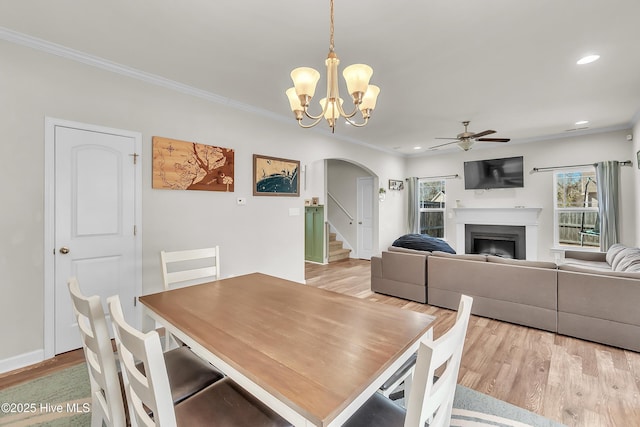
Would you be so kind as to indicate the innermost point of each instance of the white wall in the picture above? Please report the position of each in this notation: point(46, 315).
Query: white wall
point(538, 187)
point(260, 236)
point(636, 172)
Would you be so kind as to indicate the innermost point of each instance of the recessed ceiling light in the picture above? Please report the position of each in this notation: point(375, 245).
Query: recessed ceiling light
point(588, 59)
point(417, 148)
point(582, 122)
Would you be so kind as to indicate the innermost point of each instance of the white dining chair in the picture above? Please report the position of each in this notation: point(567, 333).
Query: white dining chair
point(187, 372)
point(431, 397)
point(222, 404)
point(106, 396)
point(188, 267)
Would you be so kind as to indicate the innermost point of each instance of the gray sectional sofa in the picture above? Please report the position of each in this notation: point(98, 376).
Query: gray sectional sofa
point(516, 291)
point(599, 295)
point(401, 273)
point(592, 296)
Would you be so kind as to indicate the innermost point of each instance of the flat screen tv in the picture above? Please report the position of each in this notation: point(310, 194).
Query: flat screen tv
point(494, 173)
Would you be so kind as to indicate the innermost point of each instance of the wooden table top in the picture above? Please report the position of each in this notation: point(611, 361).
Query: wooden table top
point(312, 349)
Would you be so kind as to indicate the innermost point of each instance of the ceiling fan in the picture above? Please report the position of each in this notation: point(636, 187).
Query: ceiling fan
point(466, 139)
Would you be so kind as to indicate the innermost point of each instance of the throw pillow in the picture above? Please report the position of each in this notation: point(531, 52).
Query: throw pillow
point(423, 242)
point(620, 256)
point(631, 259)
point(613, 251)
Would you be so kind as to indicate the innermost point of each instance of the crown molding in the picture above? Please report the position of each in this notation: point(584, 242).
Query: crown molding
point(114, 67)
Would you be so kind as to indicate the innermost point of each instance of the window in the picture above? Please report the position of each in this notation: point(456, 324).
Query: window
point(432, 200)
point(577, 222)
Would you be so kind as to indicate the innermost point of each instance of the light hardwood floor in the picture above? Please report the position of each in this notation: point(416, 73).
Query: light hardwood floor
point(571, 381)
point(575, 382)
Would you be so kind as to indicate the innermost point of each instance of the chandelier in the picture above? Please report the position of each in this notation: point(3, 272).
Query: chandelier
point(357, 78)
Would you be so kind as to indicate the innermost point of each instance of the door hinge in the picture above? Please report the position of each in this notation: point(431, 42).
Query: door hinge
point(135, 230)
point(135, 301)
point(135, 158)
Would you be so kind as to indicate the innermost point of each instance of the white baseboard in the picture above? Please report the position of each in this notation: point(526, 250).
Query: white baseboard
point(21, 360)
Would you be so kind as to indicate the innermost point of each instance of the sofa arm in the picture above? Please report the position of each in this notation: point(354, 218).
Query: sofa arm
point(376, 266)
point(586, 255)
point(404, 267)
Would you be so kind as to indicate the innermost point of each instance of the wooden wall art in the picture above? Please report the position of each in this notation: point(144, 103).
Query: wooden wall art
point(275, 177)
point(182, 165)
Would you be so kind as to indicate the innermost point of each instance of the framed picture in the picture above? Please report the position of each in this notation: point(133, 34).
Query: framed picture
point(275, 177)
point(638, 159)
point(396, 184)
point(182, 165)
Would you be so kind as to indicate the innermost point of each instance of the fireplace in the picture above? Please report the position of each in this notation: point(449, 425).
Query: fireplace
point(525, 217)
point(507, 241)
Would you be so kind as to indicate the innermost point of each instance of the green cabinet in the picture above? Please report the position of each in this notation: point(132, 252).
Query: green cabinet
point(314, 233)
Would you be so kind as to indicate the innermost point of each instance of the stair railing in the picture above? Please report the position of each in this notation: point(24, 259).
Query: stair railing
point(342, 208)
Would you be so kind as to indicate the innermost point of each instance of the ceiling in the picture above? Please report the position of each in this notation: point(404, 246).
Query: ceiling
point(508, 65)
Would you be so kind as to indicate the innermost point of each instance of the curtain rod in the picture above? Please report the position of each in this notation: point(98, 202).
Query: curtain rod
point(550, 168)
point(437, 176)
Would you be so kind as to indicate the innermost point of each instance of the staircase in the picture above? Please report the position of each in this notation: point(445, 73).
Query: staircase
point(336, 251)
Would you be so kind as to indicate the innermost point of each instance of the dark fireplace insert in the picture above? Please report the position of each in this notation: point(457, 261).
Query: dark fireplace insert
point(507, 241)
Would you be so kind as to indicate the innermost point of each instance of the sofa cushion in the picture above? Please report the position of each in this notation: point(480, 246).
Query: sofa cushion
point(423, 242)
point(521, 262)
point(596, 265)
point(467, 257)
point(630, 258)
point(613, 251)
point(586, 270)
point(407, 251)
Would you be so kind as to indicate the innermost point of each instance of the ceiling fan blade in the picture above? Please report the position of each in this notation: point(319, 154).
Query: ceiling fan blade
point(494, 139)
point(442, 145)
point(447, 138)
point(483, 133)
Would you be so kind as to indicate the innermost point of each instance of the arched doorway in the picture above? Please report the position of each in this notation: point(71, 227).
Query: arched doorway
point(351, 204)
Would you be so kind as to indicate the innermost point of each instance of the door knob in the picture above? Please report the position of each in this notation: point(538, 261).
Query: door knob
point(64, 250)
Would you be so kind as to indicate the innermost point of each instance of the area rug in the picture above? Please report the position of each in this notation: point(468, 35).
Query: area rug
point(59, 399)
point(474, 409)
point(62, 399)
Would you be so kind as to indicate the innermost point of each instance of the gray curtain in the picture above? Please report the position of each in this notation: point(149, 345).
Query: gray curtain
point(607, 174)
point(413, 208)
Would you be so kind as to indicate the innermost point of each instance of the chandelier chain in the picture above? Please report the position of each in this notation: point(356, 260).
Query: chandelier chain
point(331, 44)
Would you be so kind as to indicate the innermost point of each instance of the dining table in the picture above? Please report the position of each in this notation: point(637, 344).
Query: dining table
point(312, 355)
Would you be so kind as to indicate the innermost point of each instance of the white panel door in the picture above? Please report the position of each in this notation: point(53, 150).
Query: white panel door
point(365, 217)
point(94, 223)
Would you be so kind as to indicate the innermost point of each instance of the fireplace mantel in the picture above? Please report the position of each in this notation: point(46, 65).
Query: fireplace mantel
point(524, 216)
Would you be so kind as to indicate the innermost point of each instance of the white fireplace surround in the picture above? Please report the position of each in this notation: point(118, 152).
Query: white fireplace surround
point(522, 216)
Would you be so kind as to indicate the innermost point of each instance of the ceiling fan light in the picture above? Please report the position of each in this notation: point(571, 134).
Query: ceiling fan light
point(357, 77)
point(305, 80)
point(465, 144)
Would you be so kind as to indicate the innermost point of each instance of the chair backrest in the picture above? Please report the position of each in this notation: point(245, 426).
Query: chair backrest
point(145, 391)
point(106, 395)
point(190, 266)
point(432, 398)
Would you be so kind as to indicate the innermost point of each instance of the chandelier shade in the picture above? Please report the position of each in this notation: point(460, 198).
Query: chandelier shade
point(305, 80)
point(357, 78)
